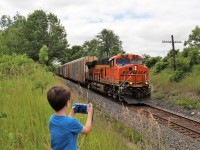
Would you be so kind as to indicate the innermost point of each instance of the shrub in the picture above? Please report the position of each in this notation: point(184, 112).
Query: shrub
point(43, 54)
point(152, 61)
point(193, 54)
point(161, 65)
point(188, 103)
point(182, 69)
point(194, 57)
point(177, 76)
point(196, 70)
point(183, 64)
point(15, 64)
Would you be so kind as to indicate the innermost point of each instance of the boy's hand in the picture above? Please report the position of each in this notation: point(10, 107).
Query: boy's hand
point(90, 109)
point(71, 114)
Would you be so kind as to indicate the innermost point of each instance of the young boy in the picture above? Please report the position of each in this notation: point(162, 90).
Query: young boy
point(64, 129)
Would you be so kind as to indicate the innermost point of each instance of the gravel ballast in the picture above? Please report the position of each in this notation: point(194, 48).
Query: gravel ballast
point(160, 137)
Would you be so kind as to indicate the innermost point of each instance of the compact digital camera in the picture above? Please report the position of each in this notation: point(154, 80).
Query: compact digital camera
point(81, 108)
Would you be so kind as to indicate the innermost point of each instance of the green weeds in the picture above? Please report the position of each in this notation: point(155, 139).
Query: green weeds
point(107, 133)
point(185, 93)
point(188, 103)
point(25, 112)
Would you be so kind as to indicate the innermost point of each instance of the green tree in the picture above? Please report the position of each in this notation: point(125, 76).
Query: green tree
point(57, 42)
point(12, 37)
point(159, 66)
point(3, 46)
point(194, 38)
point(46, 29)
point(146, 57)
point(43, 54)
point(115, 50)
point(150, 62)
point(36, 33)
point(90, 48)
point(5, 22)
point(20, 35)
point(170, 53)
point(183, 67)
point(74, 53)
point(193, 54)
point(109, 43)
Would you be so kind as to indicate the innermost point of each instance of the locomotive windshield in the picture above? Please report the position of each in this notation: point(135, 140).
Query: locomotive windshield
point(137, 61)
point(123, 61)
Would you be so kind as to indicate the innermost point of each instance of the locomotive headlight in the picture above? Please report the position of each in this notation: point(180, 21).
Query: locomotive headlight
point(131, 83)
point(135, 68)
point(146, 82)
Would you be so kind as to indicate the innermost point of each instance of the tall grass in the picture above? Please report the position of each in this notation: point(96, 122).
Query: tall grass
point(192, 81)
point(107, 133)
point(160, 84)
point(185, 93)
point(25, 112)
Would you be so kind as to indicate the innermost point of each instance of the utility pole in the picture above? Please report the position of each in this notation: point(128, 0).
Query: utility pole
point(173, 48)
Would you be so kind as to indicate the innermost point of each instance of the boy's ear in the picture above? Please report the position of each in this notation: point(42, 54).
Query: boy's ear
point(68, 102)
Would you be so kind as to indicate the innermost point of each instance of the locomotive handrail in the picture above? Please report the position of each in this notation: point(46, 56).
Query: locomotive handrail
point(124, 81)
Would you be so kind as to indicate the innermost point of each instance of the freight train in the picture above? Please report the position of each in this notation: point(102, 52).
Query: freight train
point(123, 76)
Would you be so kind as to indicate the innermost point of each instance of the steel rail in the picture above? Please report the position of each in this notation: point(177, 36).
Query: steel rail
point(173, 121)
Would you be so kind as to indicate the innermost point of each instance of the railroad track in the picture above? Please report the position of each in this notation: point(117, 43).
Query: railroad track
point(181, 124)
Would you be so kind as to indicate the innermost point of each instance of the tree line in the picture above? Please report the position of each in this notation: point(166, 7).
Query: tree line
point(42, 37)
point(186, 59)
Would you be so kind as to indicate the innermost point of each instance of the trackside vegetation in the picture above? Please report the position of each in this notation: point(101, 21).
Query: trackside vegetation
point(185, 92)
point(180, 86)
point(24, 111)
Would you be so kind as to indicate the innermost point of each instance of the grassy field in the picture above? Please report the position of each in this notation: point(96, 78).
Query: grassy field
point(185, 92)
point(24, 111)
point(107, 133)
point(24, 114)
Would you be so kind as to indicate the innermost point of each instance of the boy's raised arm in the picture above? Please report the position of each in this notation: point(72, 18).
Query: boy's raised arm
point(71, 114)
point(88, 125)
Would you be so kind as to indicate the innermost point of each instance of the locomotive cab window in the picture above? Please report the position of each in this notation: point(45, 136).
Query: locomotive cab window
point(137, 61)
point(123, 61)
point(111, 63)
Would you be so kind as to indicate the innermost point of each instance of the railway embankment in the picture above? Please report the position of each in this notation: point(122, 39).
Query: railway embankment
point(159, 136)
point(181, 97)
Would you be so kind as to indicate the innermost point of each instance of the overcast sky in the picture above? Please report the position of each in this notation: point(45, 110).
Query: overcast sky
point(140, 24)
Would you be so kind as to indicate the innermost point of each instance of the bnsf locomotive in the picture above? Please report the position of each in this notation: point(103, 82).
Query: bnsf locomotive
point(122, 76)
